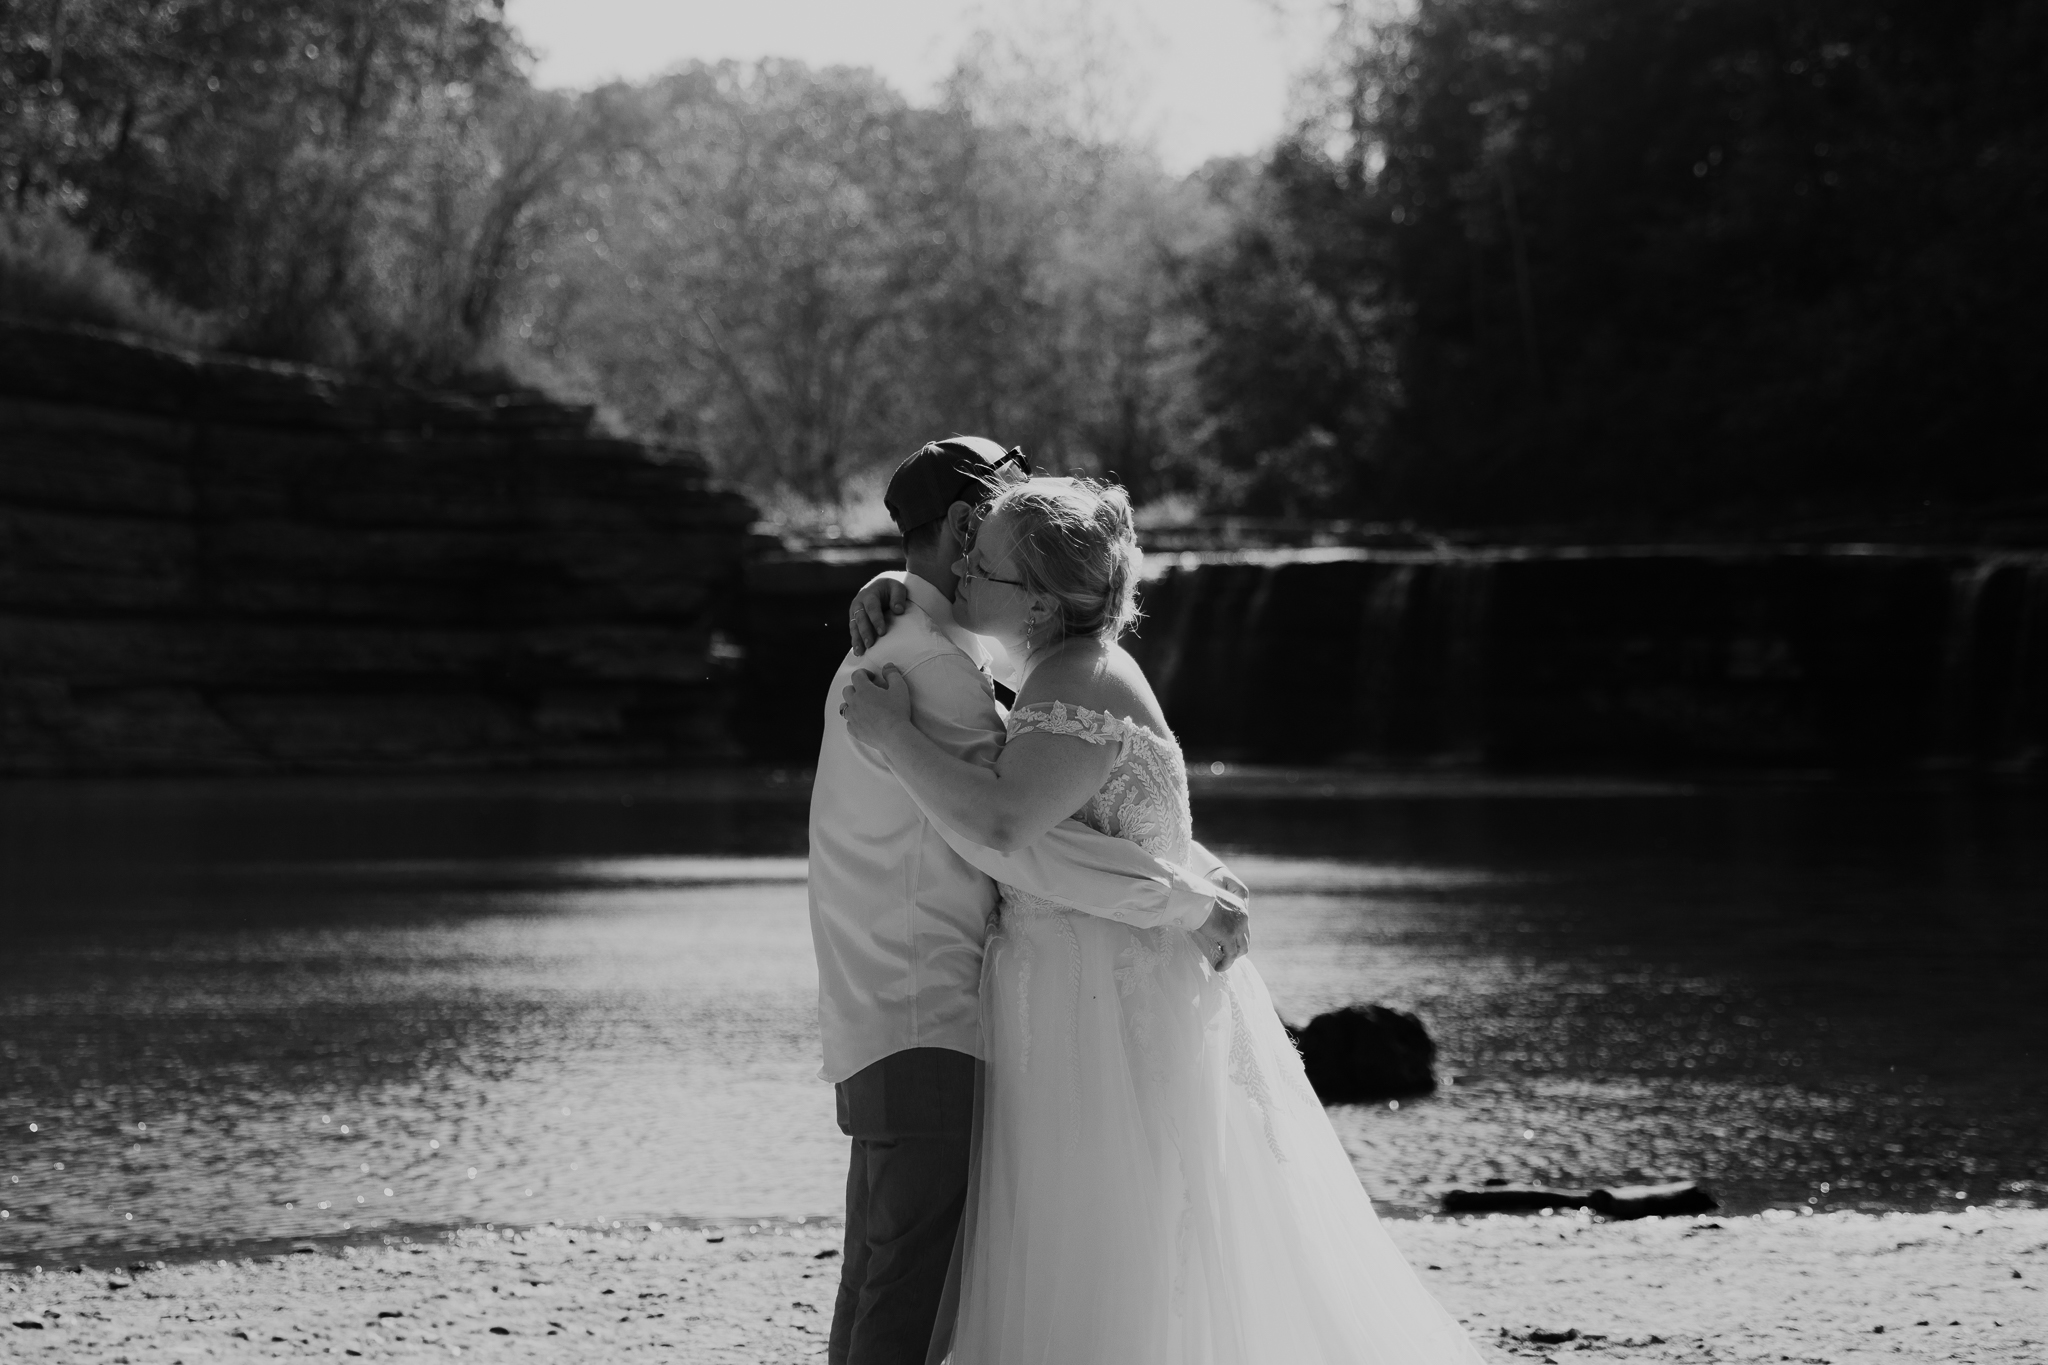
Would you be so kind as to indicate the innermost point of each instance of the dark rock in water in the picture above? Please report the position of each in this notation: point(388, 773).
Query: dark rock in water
point(1509, 1199)
point(1676, 1199)
point(1366, 1052)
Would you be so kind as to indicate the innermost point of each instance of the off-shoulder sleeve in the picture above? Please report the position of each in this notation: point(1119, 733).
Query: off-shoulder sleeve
point(1058, 718)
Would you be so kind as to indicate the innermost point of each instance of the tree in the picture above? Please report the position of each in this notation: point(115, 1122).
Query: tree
point(244, 157)
point(751, 267)
point(1730, 263)
point(1296, 364)
point(804, 275)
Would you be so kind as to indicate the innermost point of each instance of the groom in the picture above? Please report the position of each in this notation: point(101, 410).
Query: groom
point(899, 906)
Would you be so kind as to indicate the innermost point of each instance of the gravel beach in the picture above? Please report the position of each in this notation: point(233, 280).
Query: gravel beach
point(1838, 1288)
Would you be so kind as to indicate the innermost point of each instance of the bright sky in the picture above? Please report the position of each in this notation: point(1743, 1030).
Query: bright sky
point(1204, 77)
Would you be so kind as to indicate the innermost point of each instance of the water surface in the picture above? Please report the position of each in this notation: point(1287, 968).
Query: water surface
point(232, 1012)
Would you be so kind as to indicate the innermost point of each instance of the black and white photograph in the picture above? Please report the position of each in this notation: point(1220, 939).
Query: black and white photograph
point(1024, 682)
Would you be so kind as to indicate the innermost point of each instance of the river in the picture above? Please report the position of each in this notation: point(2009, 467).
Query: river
point(237, 1012)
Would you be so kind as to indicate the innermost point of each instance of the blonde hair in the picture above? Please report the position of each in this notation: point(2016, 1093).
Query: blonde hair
point(1075, 542)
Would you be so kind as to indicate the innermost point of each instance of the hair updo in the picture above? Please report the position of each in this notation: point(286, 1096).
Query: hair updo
point(1075, 542)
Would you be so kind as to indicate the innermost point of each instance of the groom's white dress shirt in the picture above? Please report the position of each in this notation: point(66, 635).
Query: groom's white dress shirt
point(900, 904)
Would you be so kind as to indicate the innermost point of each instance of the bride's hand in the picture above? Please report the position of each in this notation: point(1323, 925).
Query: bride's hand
point(875, 706)
point(1225, 936)
point(868, 618)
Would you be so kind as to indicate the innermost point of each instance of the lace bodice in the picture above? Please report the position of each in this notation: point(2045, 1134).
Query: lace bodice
point(1145, 799)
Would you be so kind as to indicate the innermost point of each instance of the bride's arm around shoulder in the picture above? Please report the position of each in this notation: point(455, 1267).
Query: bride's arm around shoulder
point(1045, 773)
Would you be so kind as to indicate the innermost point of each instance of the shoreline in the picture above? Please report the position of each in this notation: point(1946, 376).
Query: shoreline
point(107, 1258)
point(1833, 1287)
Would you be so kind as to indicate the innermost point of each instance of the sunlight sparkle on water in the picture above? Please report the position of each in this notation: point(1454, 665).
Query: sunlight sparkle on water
point(674, 997)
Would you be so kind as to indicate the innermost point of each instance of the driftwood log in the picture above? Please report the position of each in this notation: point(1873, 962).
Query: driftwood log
point(1675, 1199)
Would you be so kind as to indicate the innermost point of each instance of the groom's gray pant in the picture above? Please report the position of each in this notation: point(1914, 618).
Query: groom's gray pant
point(911, 1118)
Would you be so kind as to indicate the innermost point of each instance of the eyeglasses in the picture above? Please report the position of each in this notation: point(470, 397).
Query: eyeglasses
point(991, 578)
point(973, 572)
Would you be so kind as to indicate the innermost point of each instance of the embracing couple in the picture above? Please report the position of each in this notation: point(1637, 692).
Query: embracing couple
point(1081, 1135)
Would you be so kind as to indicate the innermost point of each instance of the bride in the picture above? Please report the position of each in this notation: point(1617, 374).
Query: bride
point(1157, 1181)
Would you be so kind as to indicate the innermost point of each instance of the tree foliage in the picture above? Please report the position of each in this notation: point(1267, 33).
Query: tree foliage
point(794, 270)
point(805, 275)
point(341, 180)
point(1707, 262)
point(1747, 260)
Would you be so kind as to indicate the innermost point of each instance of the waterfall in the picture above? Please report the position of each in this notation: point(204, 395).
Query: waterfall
point(1379, 657)
point(1880, 658)
point(2022, 734)
point(1204, 656)
point(1251, 673)
point(1182, 588)
point(1956, 695)
point(1467, 599)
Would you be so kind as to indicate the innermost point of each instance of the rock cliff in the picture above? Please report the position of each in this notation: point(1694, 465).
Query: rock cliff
point(209, 563)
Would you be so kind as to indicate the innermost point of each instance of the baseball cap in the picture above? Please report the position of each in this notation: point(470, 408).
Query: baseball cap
point(941, 473)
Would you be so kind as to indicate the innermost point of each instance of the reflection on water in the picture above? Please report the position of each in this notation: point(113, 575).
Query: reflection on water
point(269, 1010)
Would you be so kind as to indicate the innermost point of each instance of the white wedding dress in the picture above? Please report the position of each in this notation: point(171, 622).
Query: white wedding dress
point(1157, 1183)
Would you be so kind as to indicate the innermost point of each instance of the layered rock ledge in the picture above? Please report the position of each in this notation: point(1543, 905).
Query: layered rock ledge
point(213, 564)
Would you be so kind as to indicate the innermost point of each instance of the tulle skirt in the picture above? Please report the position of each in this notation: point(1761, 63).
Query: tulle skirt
point(1157, 1183)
